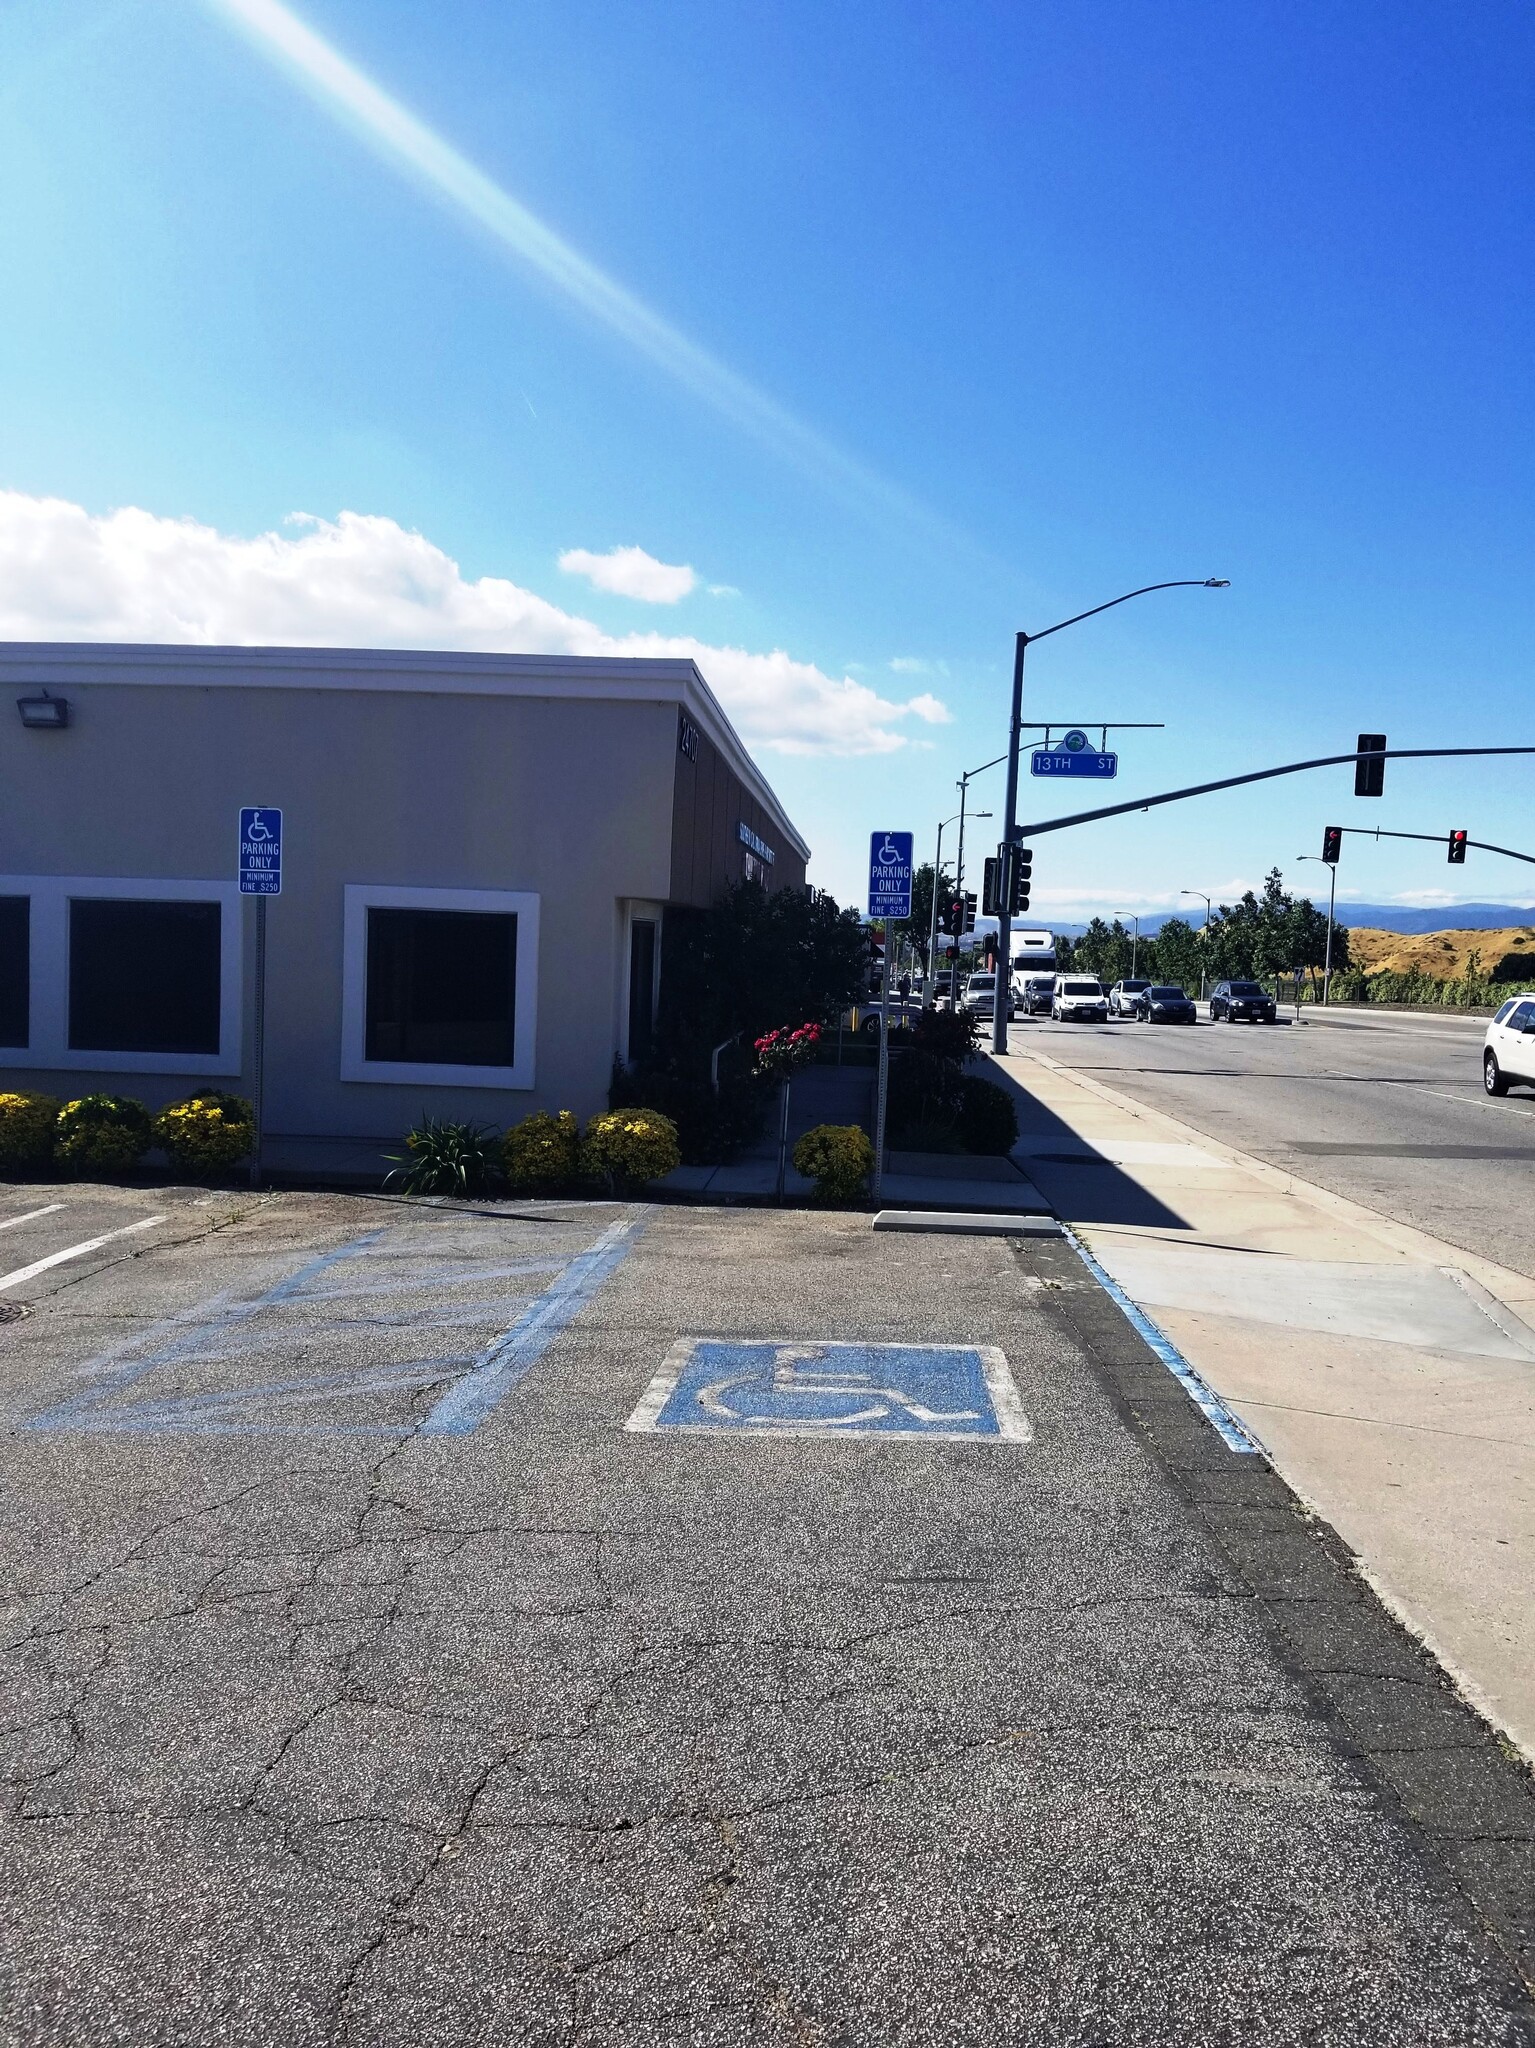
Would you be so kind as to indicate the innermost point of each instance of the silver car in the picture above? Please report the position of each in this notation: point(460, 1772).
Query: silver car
point(1508, 1050)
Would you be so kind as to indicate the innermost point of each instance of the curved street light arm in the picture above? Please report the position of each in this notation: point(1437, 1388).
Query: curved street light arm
point(1178, 583)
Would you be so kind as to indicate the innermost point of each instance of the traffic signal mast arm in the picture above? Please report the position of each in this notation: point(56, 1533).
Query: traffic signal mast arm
point(1173, 796)
point(1434, 839)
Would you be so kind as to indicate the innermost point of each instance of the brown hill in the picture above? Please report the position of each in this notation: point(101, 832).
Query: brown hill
point(1507, 955)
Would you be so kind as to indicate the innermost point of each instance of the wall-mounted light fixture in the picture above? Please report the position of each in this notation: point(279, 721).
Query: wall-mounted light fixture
point(44, 713)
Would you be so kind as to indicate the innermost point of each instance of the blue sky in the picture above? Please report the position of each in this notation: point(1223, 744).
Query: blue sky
point(1040, 304)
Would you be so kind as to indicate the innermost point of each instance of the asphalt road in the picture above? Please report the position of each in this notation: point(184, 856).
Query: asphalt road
point(373, 1671)
point(1388, 1110)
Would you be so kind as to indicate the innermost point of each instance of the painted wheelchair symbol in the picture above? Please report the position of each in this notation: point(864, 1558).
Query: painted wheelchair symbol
point(836, 1388)
point(794, 1374)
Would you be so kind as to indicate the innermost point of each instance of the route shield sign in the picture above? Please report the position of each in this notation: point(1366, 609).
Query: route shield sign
point(260, 851)
point(1073, 754)
point(890, 874)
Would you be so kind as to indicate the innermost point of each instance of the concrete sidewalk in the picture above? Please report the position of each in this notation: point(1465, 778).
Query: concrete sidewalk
point(1391, 1377)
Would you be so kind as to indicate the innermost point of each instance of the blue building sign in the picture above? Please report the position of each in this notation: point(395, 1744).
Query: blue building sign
point(791, 1388)
point(890, 874)
point(260, 851)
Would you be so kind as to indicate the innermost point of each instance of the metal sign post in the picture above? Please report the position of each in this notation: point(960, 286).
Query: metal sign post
point(260, 870)
point(890, 872)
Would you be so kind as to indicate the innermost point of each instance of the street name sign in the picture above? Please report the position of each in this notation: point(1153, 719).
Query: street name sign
point(1073, 755)
point(260, 851)
point(890, 874)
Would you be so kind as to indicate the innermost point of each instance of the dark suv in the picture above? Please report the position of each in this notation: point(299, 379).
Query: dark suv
point(1230, 1000)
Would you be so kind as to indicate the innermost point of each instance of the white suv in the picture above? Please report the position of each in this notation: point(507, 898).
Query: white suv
point(1078, 999)
point(1508, 1050)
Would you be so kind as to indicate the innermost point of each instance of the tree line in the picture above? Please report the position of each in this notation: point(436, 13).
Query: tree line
point(1254, 939)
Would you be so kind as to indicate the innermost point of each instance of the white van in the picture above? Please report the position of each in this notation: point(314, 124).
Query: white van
point(1079, 999)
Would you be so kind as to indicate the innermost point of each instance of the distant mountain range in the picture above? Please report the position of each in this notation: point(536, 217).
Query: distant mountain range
point(1385, 917)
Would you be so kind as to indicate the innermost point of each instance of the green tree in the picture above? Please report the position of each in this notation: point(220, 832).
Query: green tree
point(918, 926)
point(1176, 953)
point(754, 961)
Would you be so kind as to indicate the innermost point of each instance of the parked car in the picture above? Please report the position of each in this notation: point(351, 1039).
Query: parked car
point(1122, 997)
point(1230, 1000)
point(1163, 1003)
point(1508, 1050)
point(981, 994)
point(1035, 995)
point(1078, 999)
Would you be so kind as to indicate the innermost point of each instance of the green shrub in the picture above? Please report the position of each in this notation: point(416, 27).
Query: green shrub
point(208, 1132)
point(988, 1122)
point(711, 1126)
point(543, 1151)
point(442, 1157)
point(27, 1127)
point(102, 1134)
point(947, 1034)
point(838, 1158)
point(624, 1148)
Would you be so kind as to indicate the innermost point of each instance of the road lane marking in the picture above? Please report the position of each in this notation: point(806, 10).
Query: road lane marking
point(31, 1216)
point(500, 1366)
point(76, 1251)
point(1473, 1101)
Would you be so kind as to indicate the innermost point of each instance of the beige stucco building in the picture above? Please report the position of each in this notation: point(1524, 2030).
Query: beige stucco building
point(479, 853)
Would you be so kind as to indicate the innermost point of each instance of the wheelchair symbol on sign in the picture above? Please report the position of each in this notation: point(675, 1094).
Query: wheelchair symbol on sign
point(890, 853)
point(258, 828)
point(796, 1373)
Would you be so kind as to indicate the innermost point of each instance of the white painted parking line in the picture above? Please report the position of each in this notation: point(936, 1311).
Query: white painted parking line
point(75, 1251)
point(31, 1216)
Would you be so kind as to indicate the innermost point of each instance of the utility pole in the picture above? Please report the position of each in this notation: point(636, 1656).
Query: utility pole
point(1010, 831)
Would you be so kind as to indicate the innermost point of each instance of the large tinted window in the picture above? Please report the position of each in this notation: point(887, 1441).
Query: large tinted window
point(143, 976)
point(441, 987)
point(15, 969)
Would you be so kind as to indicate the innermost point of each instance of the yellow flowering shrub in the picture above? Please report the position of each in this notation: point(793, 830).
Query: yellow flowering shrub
point(26, 1130)
point(102, 1134)
point(207, 1132)
point(838, 1158)
point(544, 1150)
point(626, 1147)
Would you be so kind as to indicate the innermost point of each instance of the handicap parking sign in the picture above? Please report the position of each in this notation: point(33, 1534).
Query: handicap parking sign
point(792, 1388)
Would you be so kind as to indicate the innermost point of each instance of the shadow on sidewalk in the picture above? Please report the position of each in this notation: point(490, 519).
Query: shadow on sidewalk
point(1080, 1185)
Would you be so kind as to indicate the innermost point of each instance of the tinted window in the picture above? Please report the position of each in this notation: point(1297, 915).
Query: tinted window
point(1503, 1014)
point(441, 987)
point(1132, 987)
point(1525, 1014)
point(1081, 988)
point(143, 976)
point(15, 969)
point(1167, 995)
point(1247, 989)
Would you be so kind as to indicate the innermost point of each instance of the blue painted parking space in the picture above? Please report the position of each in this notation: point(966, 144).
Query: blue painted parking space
point(788, 1387)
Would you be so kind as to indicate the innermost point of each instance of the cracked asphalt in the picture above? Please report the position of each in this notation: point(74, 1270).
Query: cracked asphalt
point(319, 1727)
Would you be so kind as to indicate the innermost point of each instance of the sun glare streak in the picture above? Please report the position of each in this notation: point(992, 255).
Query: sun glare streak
point(391, 128)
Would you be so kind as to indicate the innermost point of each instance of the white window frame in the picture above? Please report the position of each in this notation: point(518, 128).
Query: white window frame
point(358, 898)
point(48, 1019)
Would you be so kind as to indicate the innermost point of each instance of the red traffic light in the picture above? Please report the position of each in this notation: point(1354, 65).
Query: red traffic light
point(1457, 849)
point(1332, 844)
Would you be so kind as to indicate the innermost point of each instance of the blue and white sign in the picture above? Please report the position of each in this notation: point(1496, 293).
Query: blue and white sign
point(260, 851)
point(792, 1388)
point(890, 874)
point(1073, 754)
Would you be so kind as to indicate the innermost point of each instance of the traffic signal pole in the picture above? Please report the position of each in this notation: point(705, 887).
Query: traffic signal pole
point(999, 1005)
point(1332, 897)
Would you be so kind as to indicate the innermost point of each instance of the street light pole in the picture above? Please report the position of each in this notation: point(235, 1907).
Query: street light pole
point(1015, 729)
point(1135, 943)
point(964, 792)
point(932, 935)
point(1204, 935)
point(1332, 897)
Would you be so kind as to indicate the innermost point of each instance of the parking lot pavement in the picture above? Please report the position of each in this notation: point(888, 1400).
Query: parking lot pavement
point(586, 1623)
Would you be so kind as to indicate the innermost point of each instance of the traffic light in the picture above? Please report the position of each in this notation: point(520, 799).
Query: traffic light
point(991, 901)
point(954, 923)
point(1370, 776)
point(1332, 844)
point(969, 910)
point(1457, 849)
point(1015, 869)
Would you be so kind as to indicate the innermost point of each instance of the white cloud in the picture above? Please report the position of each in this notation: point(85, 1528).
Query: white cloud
point(630, 572)
point(932, 708)
point(914, 665)
point(365, 581)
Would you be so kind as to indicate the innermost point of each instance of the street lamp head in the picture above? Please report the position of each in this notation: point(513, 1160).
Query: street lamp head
point(1217, 583)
